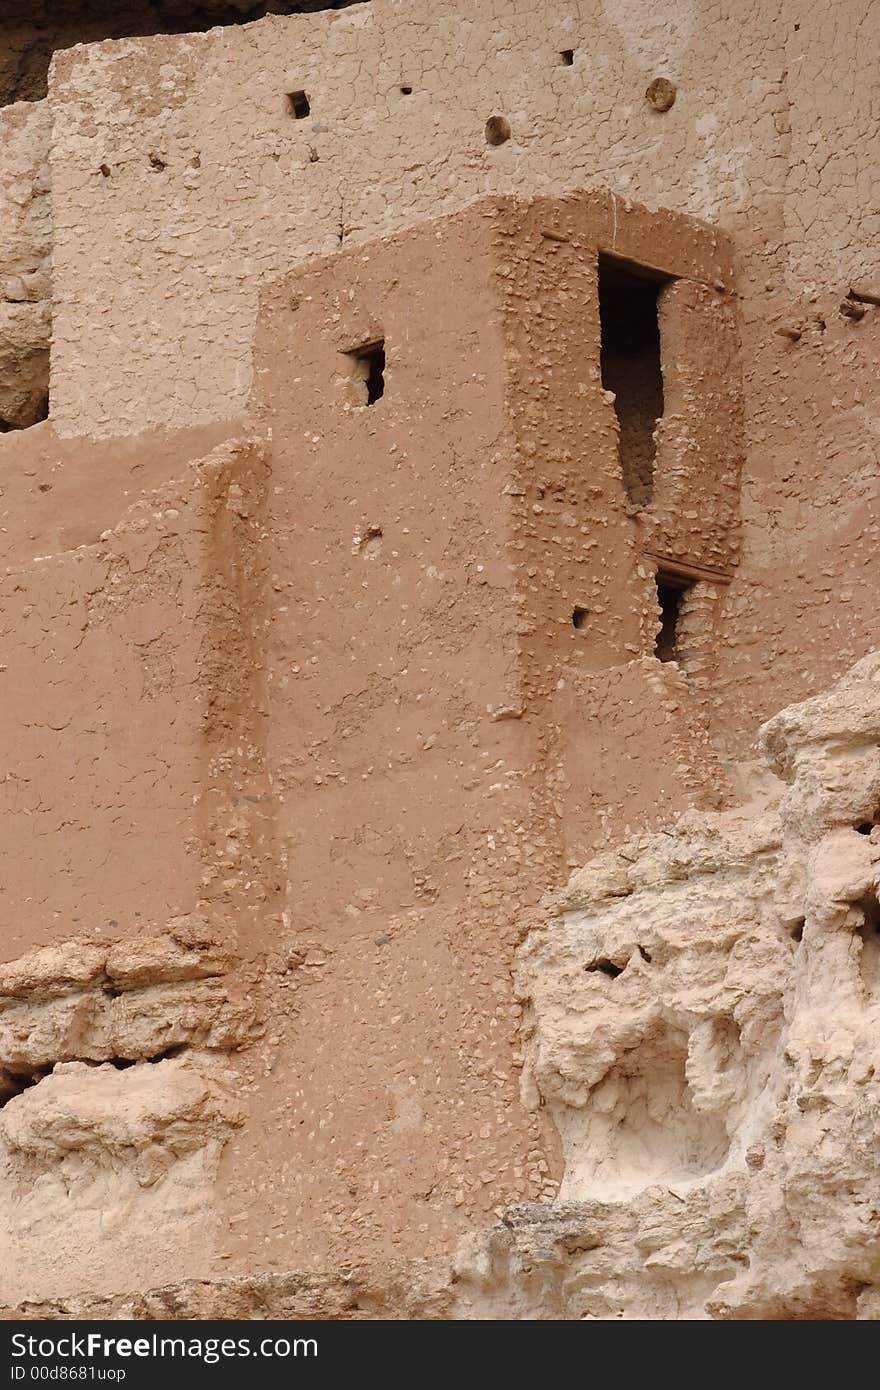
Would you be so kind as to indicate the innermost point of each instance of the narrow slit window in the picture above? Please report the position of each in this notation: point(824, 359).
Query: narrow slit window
point(671, 589)
point(299, 105)
point(369, 364)
point(630, 361)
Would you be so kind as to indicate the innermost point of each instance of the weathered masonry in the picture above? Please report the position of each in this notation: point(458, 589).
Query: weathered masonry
point(477, 421)
point(360, 655)
point(434, 438)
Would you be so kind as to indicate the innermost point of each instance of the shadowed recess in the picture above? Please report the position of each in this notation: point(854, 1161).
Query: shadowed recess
point(630, 357)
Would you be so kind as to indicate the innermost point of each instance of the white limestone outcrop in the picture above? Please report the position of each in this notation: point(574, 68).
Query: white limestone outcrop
point(703, 1022)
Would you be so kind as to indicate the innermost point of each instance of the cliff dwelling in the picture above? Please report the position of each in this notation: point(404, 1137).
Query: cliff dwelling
point(440, 778)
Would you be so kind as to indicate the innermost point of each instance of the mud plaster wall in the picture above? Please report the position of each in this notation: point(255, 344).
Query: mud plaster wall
point(385, 574)
point(374, 803)
point(579, 546)
point(409, 690)
point(138, 827)
point(110, 786)
point(761, 139)
point(521, 484)
point(407, 840)
point(245, 189)
point(768, 136)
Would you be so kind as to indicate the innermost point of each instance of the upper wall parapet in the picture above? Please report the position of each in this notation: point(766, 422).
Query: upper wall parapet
point(196, 167)
point(32, 30)
point(187, 167)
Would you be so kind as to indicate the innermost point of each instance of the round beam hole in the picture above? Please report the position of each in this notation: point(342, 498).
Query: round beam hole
point(497, 130)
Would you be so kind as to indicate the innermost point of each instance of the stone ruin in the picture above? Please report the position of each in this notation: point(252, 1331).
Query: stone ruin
point(434, 440)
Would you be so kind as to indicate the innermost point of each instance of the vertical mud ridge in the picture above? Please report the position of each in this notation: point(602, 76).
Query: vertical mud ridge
point(241, 879)
point(533, 354)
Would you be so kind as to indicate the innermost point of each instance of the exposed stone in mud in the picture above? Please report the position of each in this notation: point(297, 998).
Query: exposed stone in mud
point(390, 1292)
point(186, 950)
point(146, 1117)
point(92, 1155)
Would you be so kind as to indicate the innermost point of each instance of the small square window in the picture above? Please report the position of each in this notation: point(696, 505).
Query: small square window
point(299, 104)
point(369, 362)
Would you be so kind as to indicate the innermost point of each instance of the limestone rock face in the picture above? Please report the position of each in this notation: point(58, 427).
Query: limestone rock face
point(703, 1014)
point(83, 1115)
point(93, 1155)
point(115, 1098)
point(118, 1002)
point(25, 273)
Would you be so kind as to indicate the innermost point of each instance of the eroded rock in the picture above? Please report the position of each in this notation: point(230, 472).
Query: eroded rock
point(80, 1001)
point(702, 1016)
point(25, 261)
point(146, 1116)
point(116, 1097)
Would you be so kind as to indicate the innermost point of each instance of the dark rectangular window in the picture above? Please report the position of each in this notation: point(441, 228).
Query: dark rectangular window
point(671, 589)
point(630, 359)
point(369, 362)
point(299, 104)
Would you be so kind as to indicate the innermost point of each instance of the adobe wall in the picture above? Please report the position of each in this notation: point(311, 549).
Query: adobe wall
point(32, 30)
point(583, 549)
point(214, 181)
point(108, 782)
point(210, 168)
point(415, 750)
point(523, 482)
point(335, 722)
point(55, 495)
point(139, 861)
point(407, 841)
